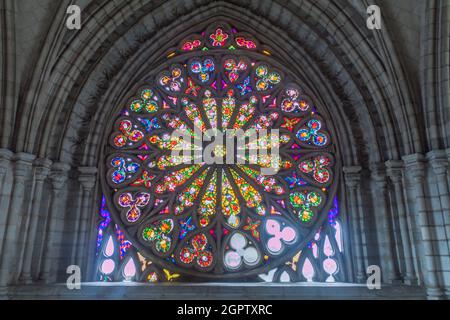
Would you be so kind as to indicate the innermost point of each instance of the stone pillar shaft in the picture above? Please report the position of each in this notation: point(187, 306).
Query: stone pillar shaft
point(76, 228)
point(87, 178)
point(352, 181)
point(5, 159)
point(440, 164)
point(58, 177)
point(15, 216)
point(385, 237)
point(415, 167)
point(41, 171)
point(395, 173)
point(5, 165)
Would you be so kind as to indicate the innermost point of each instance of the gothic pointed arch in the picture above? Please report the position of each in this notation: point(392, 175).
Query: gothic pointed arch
point(227, 219)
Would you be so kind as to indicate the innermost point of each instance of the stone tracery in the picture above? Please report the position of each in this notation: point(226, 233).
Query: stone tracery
point(227, 85)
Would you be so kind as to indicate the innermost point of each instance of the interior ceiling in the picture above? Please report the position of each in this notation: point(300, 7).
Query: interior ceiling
point(38, 23)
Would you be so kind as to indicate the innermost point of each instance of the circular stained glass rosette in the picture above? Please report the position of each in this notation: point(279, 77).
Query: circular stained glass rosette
point(210, 206)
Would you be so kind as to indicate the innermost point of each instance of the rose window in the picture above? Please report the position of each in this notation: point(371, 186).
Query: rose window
point(262, 198)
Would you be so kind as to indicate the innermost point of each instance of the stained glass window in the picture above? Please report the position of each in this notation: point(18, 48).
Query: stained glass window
point(168, 214)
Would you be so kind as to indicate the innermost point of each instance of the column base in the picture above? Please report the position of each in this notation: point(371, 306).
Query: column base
point(3, 293)
point(26, 279)
point(396, 281)
point(361, 278)
point(411, 281)
point(435, 294)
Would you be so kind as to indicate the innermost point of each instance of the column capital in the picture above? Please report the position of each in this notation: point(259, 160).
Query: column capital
point(87, 177)
point(439, 161)
point(394, 164)
point(24, 157)
point(58, 175)
point(413, 159)
point(5, 159)
point(378, 174)
point(352, 176)
point(378, 171)
point(61, 167)
point(352, 169)
point(394, 170)
point(6, 154)
point(415, 165)
point(43, 163)
point(22, 164)
point(42, 168)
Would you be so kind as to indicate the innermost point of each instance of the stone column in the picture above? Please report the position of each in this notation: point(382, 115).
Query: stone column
point(382, 217)
point(22, 172)
point(3, 170)
point(58, 178)
point(415, 167)
point(5, 165)
point(352, 180)
point(87, 178)
point(439, 163)
point(41, 171)
point(448, 170)
point(5, 159)
point(395, 173)
point(448, 158)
